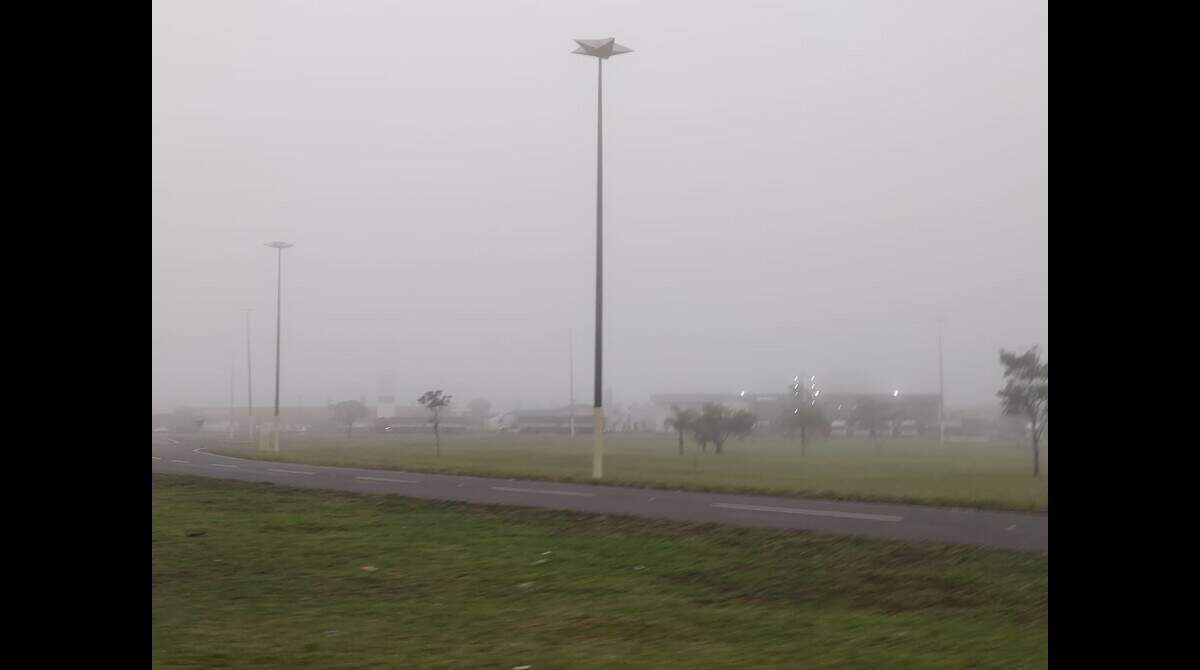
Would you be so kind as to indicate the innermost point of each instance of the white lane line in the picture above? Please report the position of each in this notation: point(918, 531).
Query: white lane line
point(175, 460)
point(385, 479)
point(156, 458)
point(221, 465)
point(553, 493)
point(292, 472)
point(811, 512)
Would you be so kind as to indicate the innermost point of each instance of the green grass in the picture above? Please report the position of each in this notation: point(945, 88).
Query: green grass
point(253, 575)
point(911, 471)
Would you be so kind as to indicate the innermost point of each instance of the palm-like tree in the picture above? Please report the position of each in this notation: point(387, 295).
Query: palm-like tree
point(681, 420)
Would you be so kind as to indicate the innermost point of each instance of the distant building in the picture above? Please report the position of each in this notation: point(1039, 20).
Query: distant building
point(555, 420)
point(415, 418)
point(217, 419)
point(911, 414)
point(385, 401)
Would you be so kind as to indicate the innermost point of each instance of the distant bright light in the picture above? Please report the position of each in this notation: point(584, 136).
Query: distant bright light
point(817, 393)
point(895, 393)
point(743, 394)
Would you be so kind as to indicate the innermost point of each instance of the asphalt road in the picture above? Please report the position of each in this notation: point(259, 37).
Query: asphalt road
point(1005, 530)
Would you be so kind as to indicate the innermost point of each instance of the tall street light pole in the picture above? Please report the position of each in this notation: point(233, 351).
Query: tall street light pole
point(278, 246)
point(941, 392)
point(602, 50)
point(232, 382)
point(571, 375)
point(249, 386)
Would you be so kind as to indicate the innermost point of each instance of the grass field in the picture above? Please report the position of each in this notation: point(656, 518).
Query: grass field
point(966, 474)
point(249, 575)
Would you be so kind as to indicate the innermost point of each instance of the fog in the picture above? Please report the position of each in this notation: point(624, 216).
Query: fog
point(790, 187)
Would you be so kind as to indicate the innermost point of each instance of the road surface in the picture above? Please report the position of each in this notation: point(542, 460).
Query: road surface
point(1004, 530)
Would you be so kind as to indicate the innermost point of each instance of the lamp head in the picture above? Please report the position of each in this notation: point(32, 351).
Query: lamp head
point(601, 48)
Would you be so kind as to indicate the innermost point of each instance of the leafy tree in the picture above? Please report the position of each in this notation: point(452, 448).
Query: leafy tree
point(1025, 393)
point(434, 401)
point(741, 423)
point(717, 423)
point(348, 412)
point(681, 420)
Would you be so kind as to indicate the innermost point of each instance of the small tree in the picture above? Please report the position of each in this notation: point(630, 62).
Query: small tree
point(434, 401)
point(681, 420)
point(717, 423)
point(806, 419)
point(1026, 393)
point(348, 412)
point(741, 424)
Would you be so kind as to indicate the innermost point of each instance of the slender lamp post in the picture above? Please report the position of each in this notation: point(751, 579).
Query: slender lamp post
point(602, 50)
point(571, 360)
point(232, 382)
point(249, 378)
point(941, 392)
point(278, 246)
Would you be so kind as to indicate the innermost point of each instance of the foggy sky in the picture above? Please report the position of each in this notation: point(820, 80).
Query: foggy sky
point(790, 187)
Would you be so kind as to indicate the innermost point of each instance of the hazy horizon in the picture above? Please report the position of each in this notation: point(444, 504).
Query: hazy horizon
point(789, 188)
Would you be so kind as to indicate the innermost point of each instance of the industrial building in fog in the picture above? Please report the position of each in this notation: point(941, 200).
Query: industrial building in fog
point(915, 413)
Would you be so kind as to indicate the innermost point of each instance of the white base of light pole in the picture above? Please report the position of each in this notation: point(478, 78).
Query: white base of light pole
point(597, 443)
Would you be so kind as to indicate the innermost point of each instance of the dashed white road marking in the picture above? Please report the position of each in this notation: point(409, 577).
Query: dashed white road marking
point(553, 493)
point(156, 458)
point(811, 512)
point(204, 452)
point(385, 479)
point(291, 472)
point(175, 460)
point(221, 465)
